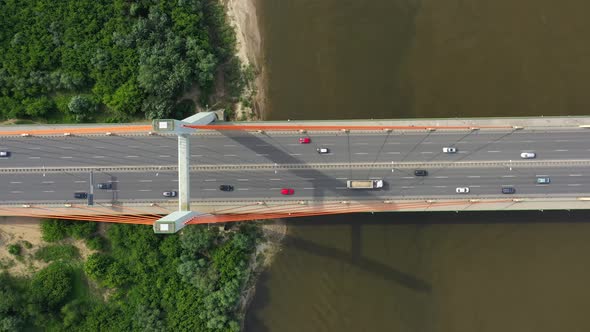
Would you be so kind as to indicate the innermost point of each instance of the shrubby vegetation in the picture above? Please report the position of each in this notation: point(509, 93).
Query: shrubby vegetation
point(184, 282)
point(87, 60)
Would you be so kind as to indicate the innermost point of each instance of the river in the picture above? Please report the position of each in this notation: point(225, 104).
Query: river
point(345, 59)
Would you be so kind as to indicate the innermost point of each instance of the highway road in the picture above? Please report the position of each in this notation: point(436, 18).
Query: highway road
point(248, 148)
point(212, 148)
point(307, 183)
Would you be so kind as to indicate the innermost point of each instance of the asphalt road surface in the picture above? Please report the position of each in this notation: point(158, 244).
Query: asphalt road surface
point(283, 148)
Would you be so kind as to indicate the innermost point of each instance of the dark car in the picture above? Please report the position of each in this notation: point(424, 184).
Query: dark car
point(105, 186)
point(80, 195)
point(420, 172)
point(508, 190)
point(170, 193)
point(226, 187)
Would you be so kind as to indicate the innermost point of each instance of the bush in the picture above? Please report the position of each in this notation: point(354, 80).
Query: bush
point(27, 244)
point(95, 243)
point(53, 230)
point(14, 249)
point(56, 252)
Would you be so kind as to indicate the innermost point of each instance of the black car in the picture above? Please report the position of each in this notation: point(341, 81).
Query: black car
point(80, 195)
point(105, 186)
point(226, 187)
point(420, 172)
point(508, 190)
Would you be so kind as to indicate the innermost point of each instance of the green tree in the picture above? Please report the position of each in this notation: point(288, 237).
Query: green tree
point(14, 249)
point(97, 265)
point(51, 286)
point(95, 242)
point(53, 230)
point(82, 107)
point(82, 229)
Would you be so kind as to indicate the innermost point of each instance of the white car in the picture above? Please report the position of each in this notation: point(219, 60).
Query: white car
point(4, 154)
point(528, 155)
point(449, 149)
point(462, 190)
point(323, 150)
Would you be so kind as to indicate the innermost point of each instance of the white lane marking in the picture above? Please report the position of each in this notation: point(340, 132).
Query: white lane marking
point(66, 147)
point(133, 146)
point(15, 182)
point(508, 176)
point(145, 180)
point(542, 175)
point(474, 186)
point(229, 145)
point(82, 181)
point(374, 178)
point(163, 146)
point(265, 144)
point(196, 155)
point(262, 154)
point(34, 157)
point(328, 144)
point(210, 180)
point(48, 182)
point(243, 189)
point(427, 142)
point(144, 190)
point(229, 155)
point(527, 141)
point(37, 148)
point(274, 188)
point(463, 152)
point(100, 147)
point(132, 156)
point(361, 153)
point(292, 144)
point(66, 157)
point(407, 187)
point(340, 188)
point(48, 191)
point(164, 156)
point(341, 178)
point(441, 177)
point(574, 185)
point(16, 192)
point(307, 178)
point(541, 185)
point(395, 152)
point(98, 157)
point(309, 188)
point(408, 177)
point(175, 180)
point(426, 152)
point(493, 151)
point(275, 179)
point(561, 150)
point(111, 181)
point(295, 154)
point(575, 175)
point(393, 143)
point(209, 189)
point(474, 176)
point(440, 186)
point(563, 140)
point(360, 143)
point(243, 180)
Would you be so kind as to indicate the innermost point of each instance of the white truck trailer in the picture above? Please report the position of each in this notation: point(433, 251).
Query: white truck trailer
point(364, 184)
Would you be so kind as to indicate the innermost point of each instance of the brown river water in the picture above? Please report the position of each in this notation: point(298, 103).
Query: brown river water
point(489, 271)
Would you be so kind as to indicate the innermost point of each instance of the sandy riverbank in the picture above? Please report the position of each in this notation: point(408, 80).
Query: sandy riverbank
point(244, 16)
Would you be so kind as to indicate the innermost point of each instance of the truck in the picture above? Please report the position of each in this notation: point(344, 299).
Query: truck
point(364, 184)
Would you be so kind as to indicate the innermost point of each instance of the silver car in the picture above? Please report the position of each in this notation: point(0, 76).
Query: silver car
point(528, 155)
point(449, 149)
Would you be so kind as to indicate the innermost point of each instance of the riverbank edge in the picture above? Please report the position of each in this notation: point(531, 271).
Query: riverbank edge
point(244, 15)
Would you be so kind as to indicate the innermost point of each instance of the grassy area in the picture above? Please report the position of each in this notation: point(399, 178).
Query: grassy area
point(54, 252)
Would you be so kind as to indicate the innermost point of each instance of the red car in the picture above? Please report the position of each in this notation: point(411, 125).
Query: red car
point(287, 191)
point(304, 140)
